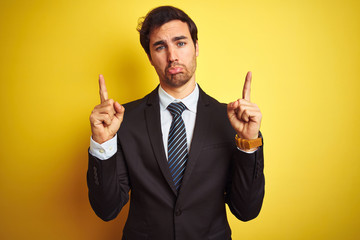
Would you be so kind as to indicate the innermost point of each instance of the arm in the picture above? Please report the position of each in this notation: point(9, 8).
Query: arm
point(108, 184)
point(245, 189)
point(108, 180)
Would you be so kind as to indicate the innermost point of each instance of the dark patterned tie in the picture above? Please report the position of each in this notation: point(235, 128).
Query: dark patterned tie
point(177, 144)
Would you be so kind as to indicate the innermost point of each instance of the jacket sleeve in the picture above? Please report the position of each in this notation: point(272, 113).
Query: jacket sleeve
point(108, 184)
point(245, 189)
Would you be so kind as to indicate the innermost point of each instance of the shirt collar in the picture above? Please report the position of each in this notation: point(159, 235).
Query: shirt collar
point(190, 101)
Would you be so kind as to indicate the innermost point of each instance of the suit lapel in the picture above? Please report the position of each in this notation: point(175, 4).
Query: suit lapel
point(202, 126)
point(153, 123)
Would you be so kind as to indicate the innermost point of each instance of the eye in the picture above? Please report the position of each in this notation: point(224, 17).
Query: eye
point(181, 44)
point(159, 48)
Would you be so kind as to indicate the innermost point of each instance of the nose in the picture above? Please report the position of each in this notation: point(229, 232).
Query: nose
point(172, 54)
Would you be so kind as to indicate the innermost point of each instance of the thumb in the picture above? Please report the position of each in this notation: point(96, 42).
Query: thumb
point(119, 111)
point(231, 107)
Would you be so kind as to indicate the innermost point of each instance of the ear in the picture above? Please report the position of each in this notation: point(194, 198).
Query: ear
point(197, 48)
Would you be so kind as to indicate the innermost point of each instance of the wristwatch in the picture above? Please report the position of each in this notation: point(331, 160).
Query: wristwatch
point(247, 144)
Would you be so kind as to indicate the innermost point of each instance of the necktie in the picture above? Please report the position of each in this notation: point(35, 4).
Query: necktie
point(177, 144)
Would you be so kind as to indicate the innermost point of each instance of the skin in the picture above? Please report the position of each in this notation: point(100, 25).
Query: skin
point(173, 55)
point(106, 118)
point(245, 116)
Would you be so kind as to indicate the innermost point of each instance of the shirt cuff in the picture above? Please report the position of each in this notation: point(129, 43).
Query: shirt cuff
point(247, 152)
point(105, 150)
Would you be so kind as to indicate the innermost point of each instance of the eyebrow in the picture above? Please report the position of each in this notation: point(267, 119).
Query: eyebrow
point(174, 39)
point(161, 42)
point(179, 38)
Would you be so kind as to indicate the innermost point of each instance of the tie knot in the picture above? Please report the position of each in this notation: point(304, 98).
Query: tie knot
point(176, 108)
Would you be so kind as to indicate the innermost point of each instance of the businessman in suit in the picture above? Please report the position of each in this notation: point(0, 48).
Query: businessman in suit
point(175, 149)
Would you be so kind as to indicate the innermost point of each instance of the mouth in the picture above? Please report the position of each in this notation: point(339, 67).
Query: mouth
point(174, 70)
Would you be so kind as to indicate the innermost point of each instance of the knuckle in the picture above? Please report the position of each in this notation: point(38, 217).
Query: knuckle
point(107, 107)
point(92, 118)
point(110, 103)
point(95, 109)
point(242, 108)
point(239, 115)
point(108, 116)
point(110, 110)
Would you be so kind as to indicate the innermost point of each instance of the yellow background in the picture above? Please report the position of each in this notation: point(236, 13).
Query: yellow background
point(304, 55)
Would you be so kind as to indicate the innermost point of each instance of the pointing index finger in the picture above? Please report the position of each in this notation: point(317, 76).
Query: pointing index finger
point(247, 87)
point(102, 89)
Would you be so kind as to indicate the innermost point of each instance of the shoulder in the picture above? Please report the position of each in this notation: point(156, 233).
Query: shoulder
point(211, 102)
point(214, 114)
point(214, 109)
point(142, 103)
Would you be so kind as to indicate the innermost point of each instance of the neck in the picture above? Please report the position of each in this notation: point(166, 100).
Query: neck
point(180, 92)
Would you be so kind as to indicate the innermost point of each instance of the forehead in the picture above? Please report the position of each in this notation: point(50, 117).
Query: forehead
point(169, 30)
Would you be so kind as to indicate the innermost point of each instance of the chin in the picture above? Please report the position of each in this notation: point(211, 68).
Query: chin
point(177, 81)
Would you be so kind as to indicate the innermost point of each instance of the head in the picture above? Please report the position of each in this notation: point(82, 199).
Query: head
point(169, 37)
point(159, 16)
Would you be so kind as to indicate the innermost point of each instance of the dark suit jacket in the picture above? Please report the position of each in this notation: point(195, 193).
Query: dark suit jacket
point(216, 173)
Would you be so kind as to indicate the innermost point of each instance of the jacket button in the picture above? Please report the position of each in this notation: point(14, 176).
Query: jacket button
point(178, 212)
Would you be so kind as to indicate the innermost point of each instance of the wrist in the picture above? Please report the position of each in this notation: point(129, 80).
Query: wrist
point(97, 139)
point(100, 140)
point(239, 135)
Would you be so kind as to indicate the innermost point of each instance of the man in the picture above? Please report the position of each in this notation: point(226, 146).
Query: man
point(175, 148)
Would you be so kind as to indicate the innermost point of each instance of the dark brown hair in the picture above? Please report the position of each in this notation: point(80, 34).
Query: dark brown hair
point(159, 16)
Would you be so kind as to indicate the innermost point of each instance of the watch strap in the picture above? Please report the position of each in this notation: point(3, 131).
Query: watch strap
point(247, 144)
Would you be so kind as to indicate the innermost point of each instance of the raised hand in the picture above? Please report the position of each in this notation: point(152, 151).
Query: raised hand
point(106, 117)
point(245, 117)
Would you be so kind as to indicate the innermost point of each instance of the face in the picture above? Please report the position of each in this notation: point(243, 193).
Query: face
point(173, 54)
